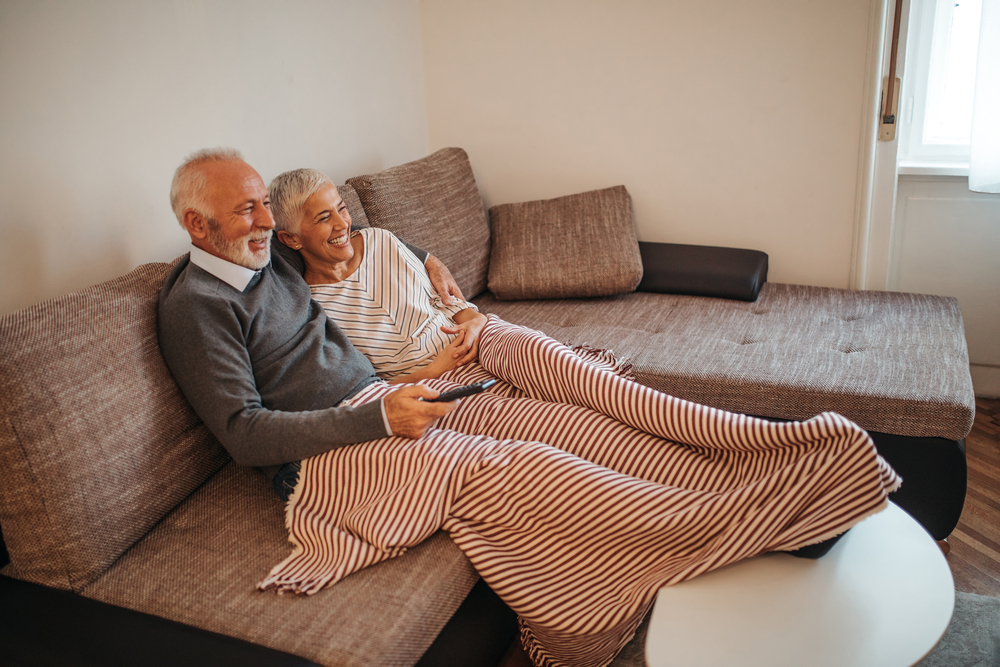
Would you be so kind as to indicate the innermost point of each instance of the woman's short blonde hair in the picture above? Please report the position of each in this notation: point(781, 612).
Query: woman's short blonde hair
point(289, 192)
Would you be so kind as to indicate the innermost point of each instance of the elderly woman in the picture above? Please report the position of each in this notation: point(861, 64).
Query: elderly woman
point(371, 284)
point(632, 489)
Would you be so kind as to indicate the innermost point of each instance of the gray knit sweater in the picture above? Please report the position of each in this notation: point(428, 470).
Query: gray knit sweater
point(265, 368)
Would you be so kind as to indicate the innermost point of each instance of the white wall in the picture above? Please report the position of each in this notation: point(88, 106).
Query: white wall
point(946, 240)
point(101, 100)
point(731, 122)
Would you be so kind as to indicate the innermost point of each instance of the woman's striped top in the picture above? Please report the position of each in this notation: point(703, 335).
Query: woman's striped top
point(388, 308)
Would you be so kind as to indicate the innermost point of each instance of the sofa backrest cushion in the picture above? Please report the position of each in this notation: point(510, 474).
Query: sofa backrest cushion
point(97, 444)
point(354, 207)
point(434, 204)
point(580, 245)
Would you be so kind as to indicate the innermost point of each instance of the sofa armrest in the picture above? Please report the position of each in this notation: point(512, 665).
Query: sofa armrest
point(725, 273)
point(43, 626)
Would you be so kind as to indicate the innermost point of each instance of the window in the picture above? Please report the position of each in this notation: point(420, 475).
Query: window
point(939, 86)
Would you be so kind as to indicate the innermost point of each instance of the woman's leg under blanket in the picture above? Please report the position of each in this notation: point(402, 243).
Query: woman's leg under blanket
point(732, 451)
point(828, 442)
point(529, 364)
point(547, 370)
point(841, 455)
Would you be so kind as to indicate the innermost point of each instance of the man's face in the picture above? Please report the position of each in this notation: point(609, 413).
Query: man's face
point(239, 229)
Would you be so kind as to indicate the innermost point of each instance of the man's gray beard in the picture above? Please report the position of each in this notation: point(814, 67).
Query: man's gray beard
point(237, 251)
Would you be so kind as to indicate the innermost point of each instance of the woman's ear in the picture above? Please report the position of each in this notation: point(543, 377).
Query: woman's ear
point(289, 239)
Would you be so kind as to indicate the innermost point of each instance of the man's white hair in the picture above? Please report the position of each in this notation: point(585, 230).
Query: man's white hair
point(188, 189)
point(289, 192)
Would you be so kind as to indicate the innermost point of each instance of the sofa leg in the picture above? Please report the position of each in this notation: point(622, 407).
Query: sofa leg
point(944, 546)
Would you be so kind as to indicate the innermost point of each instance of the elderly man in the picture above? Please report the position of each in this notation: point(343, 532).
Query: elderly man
point(575, 507)
point(260, 362)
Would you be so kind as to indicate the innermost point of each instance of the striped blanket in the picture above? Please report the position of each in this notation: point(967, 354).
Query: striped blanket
point(577, 494)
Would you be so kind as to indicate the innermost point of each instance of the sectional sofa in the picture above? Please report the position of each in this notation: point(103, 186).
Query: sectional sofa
point(134, 539)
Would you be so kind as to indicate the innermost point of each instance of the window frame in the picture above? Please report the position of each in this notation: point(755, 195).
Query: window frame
point(915, 156)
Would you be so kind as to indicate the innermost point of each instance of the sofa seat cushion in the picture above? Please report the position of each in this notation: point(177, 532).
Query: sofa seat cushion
point(893, 362)
point(202, 563)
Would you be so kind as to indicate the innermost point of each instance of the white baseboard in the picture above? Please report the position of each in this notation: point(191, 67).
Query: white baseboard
point(985, 380)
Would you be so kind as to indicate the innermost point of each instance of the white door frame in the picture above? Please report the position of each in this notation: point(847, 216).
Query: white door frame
point(875, 203)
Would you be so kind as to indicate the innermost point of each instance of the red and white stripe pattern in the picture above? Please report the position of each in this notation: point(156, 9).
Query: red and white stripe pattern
point(631, 491)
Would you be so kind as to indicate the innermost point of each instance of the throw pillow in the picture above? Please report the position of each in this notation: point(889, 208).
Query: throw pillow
point(581, 245)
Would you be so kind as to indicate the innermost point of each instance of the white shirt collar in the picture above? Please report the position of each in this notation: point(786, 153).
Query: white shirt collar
point(232, 274)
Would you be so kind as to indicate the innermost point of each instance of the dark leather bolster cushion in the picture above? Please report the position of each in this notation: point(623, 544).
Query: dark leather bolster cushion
point(724, 273)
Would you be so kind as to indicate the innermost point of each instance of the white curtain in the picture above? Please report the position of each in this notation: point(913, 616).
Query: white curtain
point(984, 158)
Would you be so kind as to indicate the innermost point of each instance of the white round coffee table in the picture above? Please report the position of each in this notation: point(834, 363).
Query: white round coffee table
point(882, 597)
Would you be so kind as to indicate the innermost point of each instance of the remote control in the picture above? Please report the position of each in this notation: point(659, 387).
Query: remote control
point(467, 390)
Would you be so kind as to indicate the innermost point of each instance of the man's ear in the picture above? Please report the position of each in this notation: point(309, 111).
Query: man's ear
point(195, 224)
point(289, 239)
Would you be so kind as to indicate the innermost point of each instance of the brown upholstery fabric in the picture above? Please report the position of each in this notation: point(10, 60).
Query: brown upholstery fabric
point(354, 207)
point(96, 442)
point(434, 204)
point(202, 563)
point(575, 246)
point(892, 362)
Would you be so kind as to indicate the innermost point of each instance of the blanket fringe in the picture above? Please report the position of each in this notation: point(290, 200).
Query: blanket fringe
point(605, 359)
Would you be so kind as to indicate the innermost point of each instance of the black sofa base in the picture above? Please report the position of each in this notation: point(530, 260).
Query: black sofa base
point(935, 478)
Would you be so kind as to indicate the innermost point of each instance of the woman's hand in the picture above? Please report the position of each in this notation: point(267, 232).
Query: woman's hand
point(442, 280)
point(469, 324)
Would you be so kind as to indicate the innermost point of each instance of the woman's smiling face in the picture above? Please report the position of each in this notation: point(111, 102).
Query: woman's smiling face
point(325, 230)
